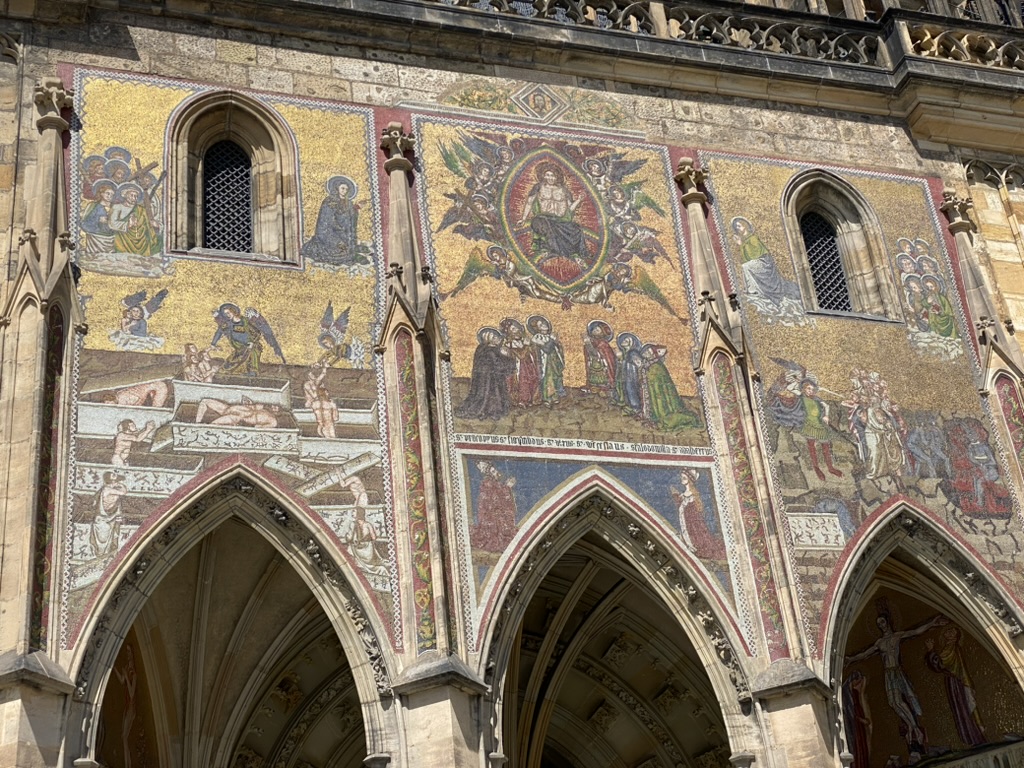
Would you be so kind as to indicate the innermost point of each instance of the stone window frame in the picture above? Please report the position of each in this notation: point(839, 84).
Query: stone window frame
point(858, 235)
point(264, 136)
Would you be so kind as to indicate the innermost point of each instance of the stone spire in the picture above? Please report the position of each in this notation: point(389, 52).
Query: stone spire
point(980, 301)
point(714, 304)
point(408, 276)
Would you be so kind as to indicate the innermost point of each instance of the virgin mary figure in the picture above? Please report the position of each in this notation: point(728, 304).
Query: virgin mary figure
point(335, 239)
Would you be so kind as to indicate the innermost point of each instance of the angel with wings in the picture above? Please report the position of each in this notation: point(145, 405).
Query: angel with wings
point(133, 333)
point(332, 337)
point(245, 332)
point(136, 311)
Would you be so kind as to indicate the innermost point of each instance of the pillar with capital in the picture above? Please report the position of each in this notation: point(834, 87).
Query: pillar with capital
point(436, 687)
point(39, 313)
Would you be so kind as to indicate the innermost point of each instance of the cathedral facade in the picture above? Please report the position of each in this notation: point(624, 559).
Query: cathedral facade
point(541, 384)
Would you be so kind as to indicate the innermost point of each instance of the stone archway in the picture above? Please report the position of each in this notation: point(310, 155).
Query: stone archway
point(924, 651)
point(604, 652)
point(232, 638)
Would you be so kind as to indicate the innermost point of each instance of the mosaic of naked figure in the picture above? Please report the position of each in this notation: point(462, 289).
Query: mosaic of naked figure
point(190, 361)
point(917, 685)
point(859, 411)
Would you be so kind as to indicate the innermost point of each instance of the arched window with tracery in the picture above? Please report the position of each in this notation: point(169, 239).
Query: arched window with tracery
point(233, 180)
point(837, 246)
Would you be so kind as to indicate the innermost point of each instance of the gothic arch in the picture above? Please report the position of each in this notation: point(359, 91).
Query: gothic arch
point(596, 508)
point(859, 239)
point(237, 494)
point(954, 578)
point(270, 145)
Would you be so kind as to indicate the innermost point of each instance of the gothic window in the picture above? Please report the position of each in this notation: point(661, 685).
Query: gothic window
point(837, 248)
point(227, 198)
point(826, 262)
point(232, 176)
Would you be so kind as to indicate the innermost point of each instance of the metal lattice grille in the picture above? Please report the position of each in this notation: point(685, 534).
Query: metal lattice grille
point(826, 263)
point(227, 198)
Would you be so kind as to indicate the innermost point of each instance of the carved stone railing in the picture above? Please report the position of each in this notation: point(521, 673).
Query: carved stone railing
point(702, 24)
point(1009, 756)
point(770, 35)
point(625, 15)
point(878, 45)
point(965, 46)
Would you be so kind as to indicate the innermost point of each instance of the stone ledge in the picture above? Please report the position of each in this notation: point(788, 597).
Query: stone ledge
point(438, 672)
point(35, 669)
point(784, 677)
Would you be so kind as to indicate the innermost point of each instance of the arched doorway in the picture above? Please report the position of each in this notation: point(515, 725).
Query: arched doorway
point(596, 667)
point(231, 662)
point(920, 656)
point(243, 645)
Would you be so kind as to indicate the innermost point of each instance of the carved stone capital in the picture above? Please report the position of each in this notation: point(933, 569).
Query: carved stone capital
point(956, 210)
point(396, 142)
point(689, 178)
point(742, 759)
point(377, 760)
point(50, 97)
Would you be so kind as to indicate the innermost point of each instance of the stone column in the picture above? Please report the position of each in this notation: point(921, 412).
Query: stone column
point(33, 688)
point(437, 690)
point(980, 303)
point(799, 710)
point(706, 277)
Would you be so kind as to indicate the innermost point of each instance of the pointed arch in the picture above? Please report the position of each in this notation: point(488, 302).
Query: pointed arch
point(955, 577)
point(849, 246)
point(219, 119)
point(239, 493)
point(598, 506)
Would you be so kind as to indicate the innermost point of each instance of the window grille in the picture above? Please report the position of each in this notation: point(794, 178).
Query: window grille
point(827, 273)
point(227, 198)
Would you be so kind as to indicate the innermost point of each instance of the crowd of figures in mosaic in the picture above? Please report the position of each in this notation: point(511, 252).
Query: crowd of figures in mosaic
point(122, 214)
point(196, 361)
point(930, 315)
point(517, 366)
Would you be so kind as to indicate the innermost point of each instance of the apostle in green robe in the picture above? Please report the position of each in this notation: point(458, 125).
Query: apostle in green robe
point(662, 405)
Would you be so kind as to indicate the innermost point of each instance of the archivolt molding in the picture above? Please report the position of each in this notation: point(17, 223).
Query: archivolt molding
point(190, 526)
point(952, 566)
point(330, 698)
point(596, 511)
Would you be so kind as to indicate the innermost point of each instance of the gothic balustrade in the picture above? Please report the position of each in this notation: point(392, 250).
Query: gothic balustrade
point(759, 29)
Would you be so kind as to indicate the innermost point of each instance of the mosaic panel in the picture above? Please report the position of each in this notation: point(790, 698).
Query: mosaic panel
point(561, 275)
point(917, 685)
point(859, 411)
point(192, 361)
point(505, 489)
